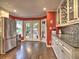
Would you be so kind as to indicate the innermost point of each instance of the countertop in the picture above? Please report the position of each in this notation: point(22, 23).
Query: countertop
point(69, 39)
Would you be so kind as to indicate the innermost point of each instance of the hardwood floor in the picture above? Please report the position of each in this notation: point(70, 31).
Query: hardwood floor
point(30, 50)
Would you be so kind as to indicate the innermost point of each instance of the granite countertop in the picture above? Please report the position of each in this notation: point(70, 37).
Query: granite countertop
point(69, 40)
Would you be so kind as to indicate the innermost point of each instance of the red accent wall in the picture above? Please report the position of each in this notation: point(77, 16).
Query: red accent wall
point(51, 23)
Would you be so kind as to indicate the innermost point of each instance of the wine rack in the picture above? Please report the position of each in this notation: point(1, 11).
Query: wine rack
point(71, 10)
point(64, 12)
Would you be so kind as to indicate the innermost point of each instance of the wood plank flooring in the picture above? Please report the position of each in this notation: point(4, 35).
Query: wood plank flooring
point(30, 50)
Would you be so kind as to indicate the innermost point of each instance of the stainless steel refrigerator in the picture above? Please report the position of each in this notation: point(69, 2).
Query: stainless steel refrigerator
point(7, 34)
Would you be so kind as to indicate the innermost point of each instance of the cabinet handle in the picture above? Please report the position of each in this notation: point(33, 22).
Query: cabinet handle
point(62, 51)
point(56, 44)
point(62, 45)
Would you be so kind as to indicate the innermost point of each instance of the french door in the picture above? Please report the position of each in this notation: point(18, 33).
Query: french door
point(32, 30)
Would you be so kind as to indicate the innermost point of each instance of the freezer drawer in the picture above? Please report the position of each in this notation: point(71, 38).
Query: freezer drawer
point(9, 44)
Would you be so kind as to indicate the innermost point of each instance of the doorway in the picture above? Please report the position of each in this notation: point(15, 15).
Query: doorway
point(32, 30)
point(43, 30)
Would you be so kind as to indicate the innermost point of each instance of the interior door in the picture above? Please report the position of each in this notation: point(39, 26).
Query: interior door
point(43, 30)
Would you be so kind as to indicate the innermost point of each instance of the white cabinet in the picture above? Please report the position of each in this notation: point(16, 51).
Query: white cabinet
point(11, 43)
point(59, 49)
point(63, 50)
point(56, 48)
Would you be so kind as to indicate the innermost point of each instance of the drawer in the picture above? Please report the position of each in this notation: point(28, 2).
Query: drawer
point(67, 48)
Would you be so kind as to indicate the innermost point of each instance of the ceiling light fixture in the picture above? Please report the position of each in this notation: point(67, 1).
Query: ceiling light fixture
point(70, 7)
point(44, 9)
point(14, 10)
point(50, 28)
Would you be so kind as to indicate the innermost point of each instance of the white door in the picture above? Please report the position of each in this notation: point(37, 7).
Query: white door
point(43, 30)
point(32, 30)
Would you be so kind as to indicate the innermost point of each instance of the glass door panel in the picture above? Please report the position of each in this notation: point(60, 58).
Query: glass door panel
point(28, 31)
point(35, 30)
point(32, 30)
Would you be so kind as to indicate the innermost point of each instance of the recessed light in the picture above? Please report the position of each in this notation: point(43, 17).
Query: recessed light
point(44, 9)
point(50, 28)
point(70, 7)
point(14, 10)
point(51, 21)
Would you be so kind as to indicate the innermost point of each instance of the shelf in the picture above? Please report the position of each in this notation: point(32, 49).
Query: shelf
point(68, 23)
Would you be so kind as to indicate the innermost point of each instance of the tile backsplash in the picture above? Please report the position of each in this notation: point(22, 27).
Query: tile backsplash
point(70, 34)
point(71, 29)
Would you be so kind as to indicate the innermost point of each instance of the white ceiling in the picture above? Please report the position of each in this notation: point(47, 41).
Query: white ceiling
point(29, 8)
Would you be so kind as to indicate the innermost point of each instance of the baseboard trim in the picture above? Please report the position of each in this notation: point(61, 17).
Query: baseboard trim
point(48, 46)
point(2, 53)
point(23, 40)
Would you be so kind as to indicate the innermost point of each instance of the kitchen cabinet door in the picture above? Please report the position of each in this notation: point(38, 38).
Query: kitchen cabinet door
point(56, 48)
point(65, 56)
point(58, 16)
